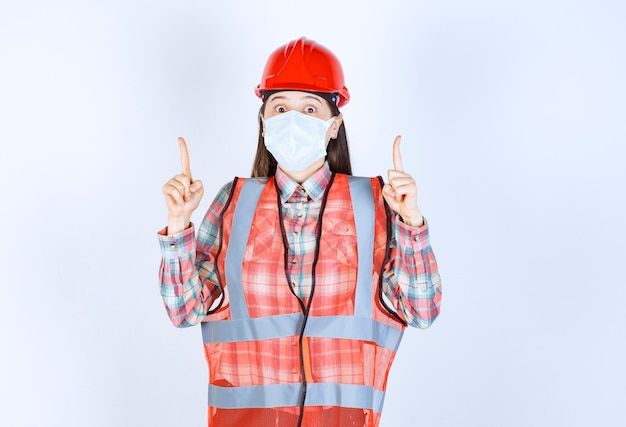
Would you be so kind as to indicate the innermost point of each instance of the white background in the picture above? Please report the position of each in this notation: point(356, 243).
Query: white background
point(513, 122)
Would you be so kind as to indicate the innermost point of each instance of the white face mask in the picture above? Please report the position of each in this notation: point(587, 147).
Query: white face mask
point(296, 140)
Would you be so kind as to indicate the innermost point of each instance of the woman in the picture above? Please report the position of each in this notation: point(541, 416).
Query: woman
point(304, 277)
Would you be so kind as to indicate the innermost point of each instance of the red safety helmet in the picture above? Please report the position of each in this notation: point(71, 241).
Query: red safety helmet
point(304, 65)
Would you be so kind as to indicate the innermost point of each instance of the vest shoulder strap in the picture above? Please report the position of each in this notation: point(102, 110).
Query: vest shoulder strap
point(245, 208)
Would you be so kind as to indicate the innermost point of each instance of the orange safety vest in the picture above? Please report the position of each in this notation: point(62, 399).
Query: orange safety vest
point(274, 361)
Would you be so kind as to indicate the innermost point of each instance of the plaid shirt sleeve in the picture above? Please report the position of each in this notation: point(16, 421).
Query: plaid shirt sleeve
point(411, 279)
point(189, 284)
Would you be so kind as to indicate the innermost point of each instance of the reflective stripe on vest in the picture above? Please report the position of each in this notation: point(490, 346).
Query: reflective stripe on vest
point(351, 327)
point(281, 395)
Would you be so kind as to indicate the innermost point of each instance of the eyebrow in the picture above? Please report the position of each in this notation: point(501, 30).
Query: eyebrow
point(313, 97)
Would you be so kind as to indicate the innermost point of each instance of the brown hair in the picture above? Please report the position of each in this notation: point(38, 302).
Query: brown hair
point(338, 155)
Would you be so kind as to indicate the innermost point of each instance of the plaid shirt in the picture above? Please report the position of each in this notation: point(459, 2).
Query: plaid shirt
point(189, 280)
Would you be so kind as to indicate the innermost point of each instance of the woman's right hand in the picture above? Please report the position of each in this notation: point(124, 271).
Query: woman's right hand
point(182, 194)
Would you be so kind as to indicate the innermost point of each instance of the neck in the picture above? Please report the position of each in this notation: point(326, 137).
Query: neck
point(303, 175)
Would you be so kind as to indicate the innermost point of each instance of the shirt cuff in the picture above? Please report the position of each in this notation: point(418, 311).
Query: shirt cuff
point(412, 237)
point(173, 247)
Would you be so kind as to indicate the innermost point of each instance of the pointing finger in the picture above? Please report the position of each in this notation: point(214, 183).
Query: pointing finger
point(397, 159)
point(184, 157)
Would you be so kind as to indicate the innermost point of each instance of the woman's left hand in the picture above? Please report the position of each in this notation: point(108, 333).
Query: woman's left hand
point(401, 191)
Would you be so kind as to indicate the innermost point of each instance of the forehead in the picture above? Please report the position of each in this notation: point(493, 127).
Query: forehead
point(294, 96)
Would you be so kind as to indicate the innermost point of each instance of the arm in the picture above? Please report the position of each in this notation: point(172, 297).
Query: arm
point(411, 279)
point(188, 276)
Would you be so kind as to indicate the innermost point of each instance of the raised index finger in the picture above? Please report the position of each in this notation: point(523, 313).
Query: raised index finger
point(184, 157)
point(397, 159)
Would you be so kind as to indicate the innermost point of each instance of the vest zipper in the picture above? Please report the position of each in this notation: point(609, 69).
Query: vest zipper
point(305, 309)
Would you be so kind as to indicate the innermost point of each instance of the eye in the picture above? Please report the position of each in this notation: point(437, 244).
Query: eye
point(280, 109)
point(310, 109)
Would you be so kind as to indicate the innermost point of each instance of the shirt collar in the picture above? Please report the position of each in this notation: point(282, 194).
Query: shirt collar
point(314, 186)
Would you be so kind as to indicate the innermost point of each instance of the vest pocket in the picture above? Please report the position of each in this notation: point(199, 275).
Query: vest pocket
point(340, 245)
point(265, 243)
